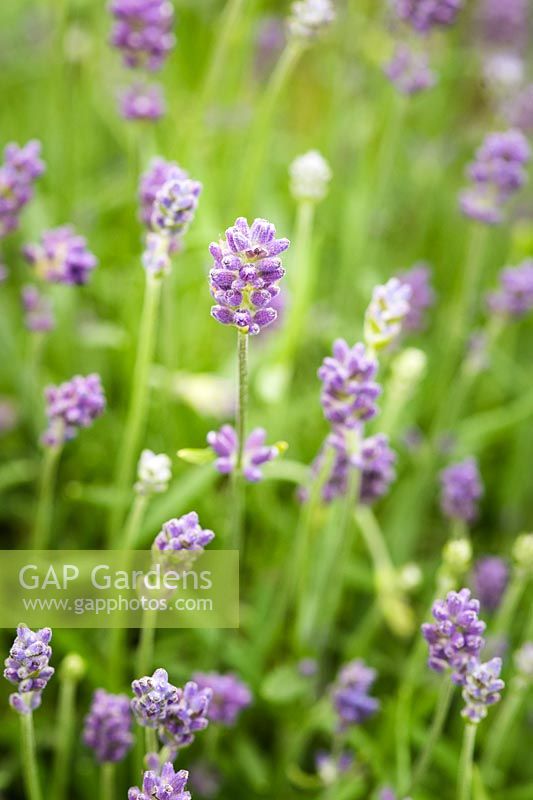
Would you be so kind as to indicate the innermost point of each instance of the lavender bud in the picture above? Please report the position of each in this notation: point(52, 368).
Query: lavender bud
point(158, 173)
point(153, 473)
point(21, 168)
point(491, 576)
point(143, 102)
point(349, 392)
point(482, 689)
point(351, 694)
point(310, 175)
point(107, 728)
point(28, 667)
point(461, 489)
point(385, 314)
point(409, 71)
point(456, 636)
point(309, 18)
point(224, 443)
point(376, 461)
point(229, 696)
point(153, 696)
point(245, 274)
point(72, 405)
point(185, 716)
point(143, 31)
point(169, 785)
point(61, 257)
point(175, 206)
point(184, 533)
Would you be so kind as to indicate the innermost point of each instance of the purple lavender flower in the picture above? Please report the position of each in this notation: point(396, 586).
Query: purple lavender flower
point(175, 206)
point(491, 576)
point(351, 694)
point(456, 636)
point(422, 295)
point(28, 667)
point(107, 728)
point(349, 391)
point(376, 461)
point(21, 168)
point(514, 298)
point(38, 314)
point(504, 23)
point(423, 15)
point(72, 405)
point(256, 453)
point(169, 785)
point(245, 274)
point(158, 173)
point(184, 533)
point(482, 689)
point(61, 257)
point(143, 101)
point(230, 696)
point(153, 696)
point(185, 716)
point(409, 71)
point(497, 173)
point(143, 31)
point(461, 489)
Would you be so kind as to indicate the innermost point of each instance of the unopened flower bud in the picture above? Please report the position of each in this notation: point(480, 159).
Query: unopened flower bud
point(457, 555)
point(310, 175)
point(73, 668)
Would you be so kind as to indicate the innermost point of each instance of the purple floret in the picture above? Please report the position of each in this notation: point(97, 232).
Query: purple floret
point(72, 405)
point(423, 15)
point(185, 716)
point(21, 168)
point(107, 728)
point(456, 637)
point(28, 667)
point(482, 687)
point(224, 443)
point(409, 71)
point(153, 695)
point(490, 579)
point(514, 298)
point(169, 785)
point(143, 31)
point(351, 694)
point(158, 173)
point(349, 391)
point(461, 490)
point(184, 533)
point(230, 696)
point(61, 257)
point(245, 274)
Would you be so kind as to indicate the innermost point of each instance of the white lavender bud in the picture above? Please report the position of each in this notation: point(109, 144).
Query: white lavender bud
point(310, 175)
point(309, 17)
point(153, 473)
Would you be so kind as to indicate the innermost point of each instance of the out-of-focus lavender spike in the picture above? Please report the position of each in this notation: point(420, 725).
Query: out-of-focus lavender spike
point(142, 31)
point(351, 697)
point(72, 405)
point(143, 102)
point(107, 728)
point(422, 295)
point(18, 173)
point(424, 15)
point(461, 490)
point(490, 579)
point(62, 256)
point(409, 70)
point(38, 314)
point(514, 297)
point(230, 696)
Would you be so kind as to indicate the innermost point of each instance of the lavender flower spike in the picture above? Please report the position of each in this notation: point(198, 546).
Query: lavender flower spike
point(107, 728)
point(461, 489)
point(351, 694)
point(62, 257)
point(143, 31)
point(184, 533)
point(482, 689)
point(349, 391)
point(385, 314)
point(256, 453)
point(490, 579)
point(153, 473)
point(158, 173)
point(143, 102)
point(169, 785)
point(21, 168)
point(498, 172)
point(185, 716)
point(423, 15)
point(153, 696)
point(72, 405)
point(310, 17)
point(376, 461)
point(28, 667)
point(245, 274)
point(38, 314)
point(514, 298)
point(455, 638)
point(230, 696)
point(409, 71)
point(175, 206)
point(422, 296)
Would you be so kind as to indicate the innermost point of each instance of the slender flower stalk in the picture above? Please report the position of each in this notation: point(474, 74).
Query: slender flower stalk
point(107, 781)
point(241, 417)
point(29, 758)
point(435, 732)
point(145, 650)
point(466, 763)
point(43, 517)
point(70, 673)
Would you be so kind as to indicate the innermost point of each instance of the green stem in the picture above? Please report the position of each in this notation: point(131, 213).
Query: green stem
point(258, 136)
point(133, 523)
point(29, 758)
point(145, 652)
point(439, 719)
point(150, 740)
point(501, 726)
point(466, 763)
point(225, 30)
point(510, 602)
point(241, 418)
point(136, 418)
point(65, 728)
point(43, 519)
point(107, 781)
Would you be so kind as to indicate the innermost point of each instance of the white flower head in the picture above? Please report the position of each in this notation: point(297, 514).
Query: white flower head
point(153, 473)
point(309, 17)
point(310, 175)
point(385, 314)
